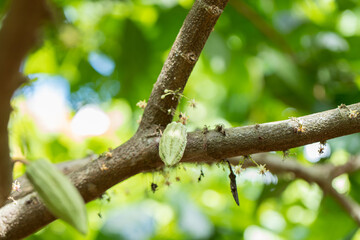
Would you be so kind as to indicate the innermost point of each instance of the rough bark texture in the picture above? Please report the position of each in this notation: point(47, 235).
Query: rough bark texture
point(182, 58)
point(274, 136)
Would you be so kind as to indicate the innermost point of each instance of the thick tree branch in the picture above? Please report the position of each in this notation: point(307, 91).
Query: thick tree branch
point(17, 36)
point(182, 58)
point(274, 136)
point(140, 154)
point(94, 180)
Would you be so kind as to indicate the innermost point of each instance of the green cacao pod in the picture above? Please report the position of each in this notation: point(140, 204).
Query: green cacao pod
point(172, 143)
point(58, 194)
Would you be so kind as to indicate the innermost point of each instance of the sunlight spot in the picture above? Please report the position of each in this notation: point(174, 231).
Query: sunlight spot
point(46, 100)
point(163, 213)
point(348, 23)
point(311, 152)
point(234, 42)
point(90, 120)
point(70, 14)
point(211, 199)
point(298, 214)
point(218, 64)
point(273, 221)
point(252, 175)
point(341, 184)
point(332, 42)
point(258, 233)
point(101, 63)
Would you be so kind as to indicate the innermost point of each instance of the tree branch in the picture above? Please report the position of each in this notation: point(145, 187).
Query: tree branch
point(322, 174)
point(273, 136)
point(17, 36)
point(135, 155)
point(140, 154)
point(182, 58)
point(262, 26)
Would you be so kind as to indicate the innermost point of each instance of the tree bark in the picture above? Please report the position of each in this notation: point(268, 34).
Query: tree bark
point(18, 35)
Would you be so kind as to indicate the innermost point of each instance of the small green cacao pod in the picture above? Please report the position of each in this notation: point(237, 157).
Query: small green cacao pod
point(172, 143)
point(58, 194)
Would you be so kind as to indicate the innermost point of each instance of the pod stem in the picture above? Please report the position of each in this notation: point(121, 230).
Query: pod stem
point(20, 160)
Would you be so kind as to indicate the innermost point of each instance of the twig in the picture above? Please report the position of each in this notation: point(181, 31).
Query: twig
point(322, 174)
point(347, 203)
point(265, 28)
point(20, 160)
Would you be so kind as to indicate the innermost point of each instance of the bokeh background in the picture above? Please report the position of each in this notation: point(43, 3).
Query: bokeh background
point(266, 60)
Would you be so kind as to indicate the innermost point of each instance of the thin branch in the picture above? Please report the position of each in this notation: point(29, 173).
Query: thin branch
point(321, 174)
point(20, 160)
point(182, 58)
point(350, 166)
point(347, 203)
point(17, 36)
point(265, 28)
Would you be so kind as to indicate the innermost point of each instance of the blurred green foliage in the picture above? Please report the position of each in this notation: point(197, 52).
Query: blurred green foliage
point(109, 53)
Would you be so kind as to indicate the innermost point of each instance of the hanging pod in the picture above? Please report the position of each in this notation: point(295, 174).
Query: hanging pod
point(58, 194)
point(172, 143)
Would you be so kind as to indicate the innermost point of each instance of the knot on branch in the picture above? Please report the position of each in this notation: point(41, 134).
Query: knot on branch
point(191, 57)
point(213, 10)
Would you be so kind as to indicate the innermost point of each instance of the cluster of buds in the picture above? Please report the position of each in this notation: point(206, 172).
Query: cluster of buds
point(16, 186)
point(300, 128)
point(262, 167)
point(142, 104)
point(109, 154)
point(103, 167)
point(192, 103)
point(239, 169)
point(174, 93)
point(352, 113)
point(183, 118)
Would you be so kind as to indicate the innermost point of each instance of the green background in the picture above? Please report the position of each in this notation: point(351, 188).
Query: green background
point(109, 53)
